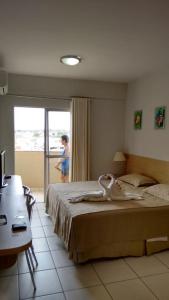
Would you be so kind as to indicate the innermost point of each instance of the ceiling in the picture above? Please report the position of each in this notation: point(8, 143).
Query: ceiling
point(118, 40)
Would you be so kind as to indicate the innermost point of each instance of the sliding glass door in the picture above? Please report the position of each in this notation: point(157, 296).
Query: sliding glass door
point(56, 150)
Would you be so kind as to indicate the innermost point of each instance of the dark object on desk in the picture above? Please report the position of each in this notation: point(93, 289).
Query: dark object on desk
point(18, 227)
point(3, 220)
point(7, 176)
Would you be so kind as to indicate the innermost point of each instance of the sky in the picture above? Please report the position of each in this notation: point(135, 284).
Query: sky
point(26, 118)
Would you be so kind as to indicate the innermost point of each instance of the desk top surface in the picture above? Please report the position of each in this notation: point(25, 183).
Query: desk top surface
point(12, 204)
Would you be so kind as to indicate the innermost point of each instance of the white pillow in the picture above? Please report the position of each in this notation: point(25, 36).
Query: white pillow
point(159, 190)
point(137, 179)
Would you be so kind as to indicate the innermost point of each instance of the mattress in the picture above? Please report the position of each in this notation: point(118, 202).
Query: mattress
point(105, 229)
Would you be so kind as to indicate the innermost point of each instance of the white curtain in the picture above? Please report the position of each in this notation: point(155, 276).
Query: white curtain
point(80, 162)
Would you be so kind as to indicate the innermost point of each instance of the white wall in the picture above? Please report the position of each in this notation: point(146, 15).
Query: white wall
point(107, 130)
point(146, 94)
point(57, 87)
point(107, 134)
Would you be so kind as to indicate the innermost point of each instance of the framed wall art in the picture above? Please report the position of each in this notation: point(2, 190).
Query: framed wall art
point(159, 117)
point(138, 119)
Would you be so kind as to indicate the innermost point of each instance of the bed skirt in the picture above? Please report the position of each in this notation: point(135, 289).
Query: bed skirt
point(120, 249)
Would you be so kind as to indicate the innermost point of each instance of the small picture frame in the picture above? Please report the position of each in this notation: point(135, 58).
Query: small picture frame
point(138, 119)
point(159, 117)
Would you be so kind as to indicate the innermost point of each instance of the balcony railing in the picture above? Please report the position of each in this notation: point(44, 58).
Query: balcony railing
point(30, 166)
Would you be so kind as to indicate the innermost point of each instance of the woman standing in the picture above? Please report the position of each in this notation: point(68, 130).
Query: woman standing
point(64, 162)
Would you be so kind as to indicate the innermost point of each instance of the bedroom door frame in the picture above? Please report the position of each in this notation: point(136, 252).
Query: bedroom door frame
point(47, 155)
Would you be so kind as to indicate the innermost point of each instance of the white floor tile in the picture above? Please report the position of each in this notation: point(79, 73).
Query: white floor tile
point(40, 205)
point(146, 265)
point(159, 284)
point(35, 213)
point(37, 232)
point(115, 270)
point(40, 245)
point(59, 296)
point(78, 277)
point(9, 288)
point(55, 243)
point(42, 212)
point(61, 258)
point(35, 222)
point(164, 257)
point(92, 293)
point(39, 195)
point(130, 289)
point(47, 282)
point(46, 220)
point(49, 231)
point(45, 262)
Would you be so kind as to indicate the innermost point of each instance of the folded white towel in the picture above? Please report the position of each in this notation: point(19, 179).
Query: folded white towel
point(89, 196)
point(127, 196)
point(158, 239)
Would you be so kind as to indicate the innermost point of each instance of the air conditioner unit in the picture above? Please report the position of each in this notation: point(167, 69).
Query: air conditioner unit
point(3, 82)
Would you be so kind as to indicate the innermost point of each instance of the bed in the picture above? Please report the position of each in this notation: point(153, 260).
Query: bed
point(93, 230)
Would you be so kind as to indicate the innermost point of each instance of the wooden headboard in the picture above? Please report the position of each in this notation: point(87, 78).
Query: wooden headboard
point(155, 168)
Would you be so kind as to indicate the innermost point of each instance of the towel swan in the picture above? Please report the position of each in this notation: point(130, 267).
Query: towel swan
point(112, 191)
point(107, 189)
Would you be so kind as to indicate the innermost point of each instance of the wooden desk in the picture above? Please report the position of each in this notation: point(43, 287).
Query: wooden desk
point(12, 204)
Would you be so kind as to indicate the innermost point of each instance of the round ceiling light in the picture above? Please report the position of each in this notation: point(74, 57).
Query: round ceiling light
point(70, 60)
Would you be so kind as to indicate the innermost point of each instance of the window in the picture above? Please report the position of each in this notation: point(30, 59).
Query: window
point(29, 129)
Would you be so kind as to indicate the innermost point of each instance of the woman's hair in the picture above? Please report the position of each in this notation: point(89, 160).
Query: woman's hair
point(65, 138)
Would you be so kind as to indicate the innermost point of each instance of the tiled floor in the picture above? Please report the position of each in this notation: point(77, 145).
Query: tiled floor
point(58, 278)
point(38, 194)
